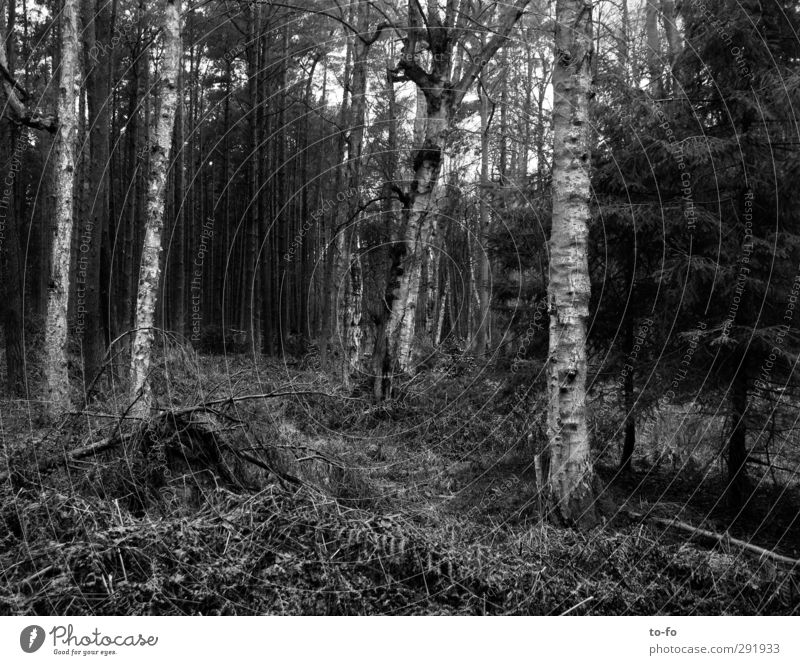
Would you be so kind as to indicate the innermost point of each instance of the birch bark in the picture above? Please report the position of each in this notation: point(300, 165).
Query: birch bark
point(149, 271)
point(56, 331)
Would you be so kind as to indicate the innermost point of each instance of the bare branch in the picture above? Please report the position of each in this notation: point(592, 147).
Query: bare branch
point(507, 22)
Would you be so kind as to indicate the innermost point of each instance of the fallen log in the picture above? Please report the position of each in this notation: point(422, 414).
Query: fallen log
point(721, 538)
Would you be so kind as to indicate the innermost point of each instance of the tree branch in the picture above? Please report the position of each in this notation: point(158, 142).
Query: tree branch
point(507, 22)
point(19, 114)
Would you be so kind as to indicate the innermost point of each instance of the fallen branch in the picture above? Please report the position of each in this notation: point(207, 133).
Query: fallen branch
point(72, 456)
point(722, 538)
point(244, 398)
point(116, 438)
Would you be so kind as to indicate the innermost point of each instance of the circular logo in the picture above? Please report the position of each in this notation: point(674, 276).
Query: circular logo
point(31, 638)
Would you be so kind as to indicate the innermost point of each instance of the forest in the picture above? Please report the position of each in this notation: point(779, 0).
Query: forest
point(354, 307)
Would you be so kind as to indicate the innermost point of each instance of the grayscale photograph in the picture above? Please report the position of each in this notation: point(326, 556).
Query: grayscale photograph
point(398, 307)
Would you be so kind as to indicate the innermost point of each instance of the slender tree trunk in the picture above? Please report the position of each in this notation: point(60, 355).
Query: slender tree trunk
point(330, 319)
point(348, 264)
point(484, 296)
point(251, 291)
point(284, 275)
point(56, 332)
point(669, 18)
point(623, 44)
point(570, 477)
point(653, 47)
point(305, 251)
point(11, 275)
point(10, 268)
point(179, 236)
point(738, 486)
point(626, 463)
point(379, 352)
point(434, 257)
point(96, 17)
point(154, 220)
point(442, 306)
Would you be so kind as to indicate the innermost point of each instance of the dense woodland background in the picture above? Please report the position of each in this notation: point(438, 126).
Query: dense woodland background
point(338, 307)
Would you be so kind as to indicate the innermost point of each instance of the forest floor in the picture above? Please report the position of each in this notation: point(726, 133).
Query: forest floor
point(313, 502)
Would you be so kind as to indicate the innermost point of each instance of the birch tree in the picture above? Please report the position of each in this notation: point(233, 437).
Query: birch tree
point(484, 295)
point(570, 474)
point(443, 95)
point(348, 265)
point(56, 331)
point(149, 273)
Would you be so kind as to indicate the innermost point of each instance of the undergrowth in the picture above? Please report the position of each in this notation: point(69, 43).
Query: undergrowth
point(316, 504)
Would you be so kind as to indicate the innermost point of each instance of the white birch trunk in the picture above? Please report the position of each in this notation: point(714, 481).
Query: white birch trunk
point(348, 263)
point(56, 331)
point(440, 318)
point(419, 231)
point(484, 295)
point(149, 273)
point(570, 476)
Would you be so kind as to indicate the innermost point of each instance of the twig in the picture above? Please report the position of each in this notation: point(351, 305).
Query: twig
point(243, 398)
point(38, 573)
point(254, 460)
point(308, 458)
point(575, 607)
point(103, 415)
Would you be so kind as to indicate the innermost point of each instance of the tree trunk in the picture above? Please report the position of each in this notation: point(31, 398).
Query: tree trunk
point(440, 318)
point(11, 275)
point(442, 98)
point(10, 268)
point(570, 477)
point(484, 296)
point(348, 263)
point(56, 333)
point(154, 218)
point(330, 320)
point(674, 42)
point(96, 18)
point(738, 486)
point(626, 463)
point(388, 210)
point(252, 301)
point(418, 231)
point(653, 47)
point(181, 215)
